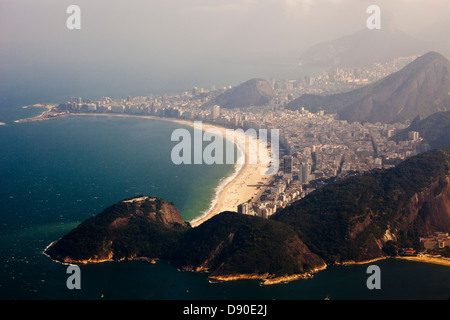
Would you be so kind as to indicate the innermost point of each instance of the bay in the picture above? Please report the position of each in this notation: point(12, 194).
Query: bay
point(55, 174)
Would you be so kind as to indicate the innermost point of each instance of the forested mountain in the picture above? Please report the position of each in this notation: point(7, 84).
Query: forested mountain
point(352, 220)
point(357, 219)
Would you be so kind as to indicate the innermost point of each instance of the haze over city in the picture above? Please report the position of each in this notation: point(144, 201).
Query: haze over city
point(120, 170)
point(136, 47)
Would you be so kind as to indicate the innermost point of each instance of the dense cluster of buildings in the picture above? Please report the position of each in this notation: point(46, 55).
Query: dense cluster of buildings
point(438, 241)
point(316, 146)
point(337, 79)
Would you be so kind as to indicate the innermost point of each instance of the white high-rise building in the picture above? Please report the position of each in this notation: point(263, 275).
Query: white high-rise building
point(244, 208)
point(215, 112)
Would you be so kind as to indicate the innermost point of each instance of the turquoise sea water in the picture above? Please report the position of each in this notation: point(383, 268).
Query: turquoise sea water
point(54, 174)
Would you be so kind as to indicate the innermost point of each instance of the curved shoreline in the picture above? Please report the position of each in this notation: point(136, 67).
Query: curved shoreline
point(215, 202)
point(237, 188)
point(268, 279)
point(241, 185)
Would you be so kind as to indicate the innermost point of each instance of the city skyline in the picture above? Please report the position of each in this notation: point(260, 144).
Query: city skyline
point(316, 146)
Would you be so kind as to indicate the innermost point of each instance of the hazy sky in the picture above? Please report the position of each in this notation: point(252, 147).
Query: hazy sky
point(171, 45)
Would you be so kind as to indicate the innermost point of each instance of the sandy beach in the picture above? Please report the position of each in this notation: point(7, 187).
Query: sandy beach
point(245, 182)
point(429, 259)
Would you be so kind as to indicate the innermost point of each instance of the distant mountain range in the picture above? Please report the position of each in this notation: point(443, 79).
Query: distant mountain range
point(363, 48)
point(357, 219)
point(435, 130)
point(254, 92)
point(419, 89)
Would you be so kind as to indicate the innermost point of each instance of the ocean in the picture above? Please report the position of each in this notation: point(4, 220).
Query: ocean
point(55, 174)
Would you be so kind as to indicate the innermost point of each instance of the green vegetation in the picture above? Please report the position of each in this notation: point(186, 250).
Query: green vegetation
point(232, 243)
point(445, 252)
point(341, 221)
point(126, 229)
point(229, 243)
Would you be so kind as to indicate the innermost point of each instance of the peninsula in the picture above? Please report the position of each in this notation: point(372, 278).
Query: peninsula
point(316, 146)
point(229, 246)
point(52, 112)
point(356, 220)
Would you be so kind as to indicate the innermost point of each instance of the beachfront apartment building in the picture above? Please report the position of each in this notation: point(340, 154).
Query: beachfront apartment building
point(438, 241)
point(244, 208)
point(316, 145)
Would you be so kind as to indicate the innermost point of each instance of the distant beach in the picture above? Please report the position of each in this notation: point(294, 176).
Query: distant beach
point(245, 181)
point(27, 274)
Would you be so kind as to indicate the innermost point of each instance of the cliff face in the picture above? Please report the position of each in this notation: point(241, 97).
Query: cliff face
point(430, 208)
point(352, 220)
point(426, 212)
point(348, 221)
point(157, 210)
